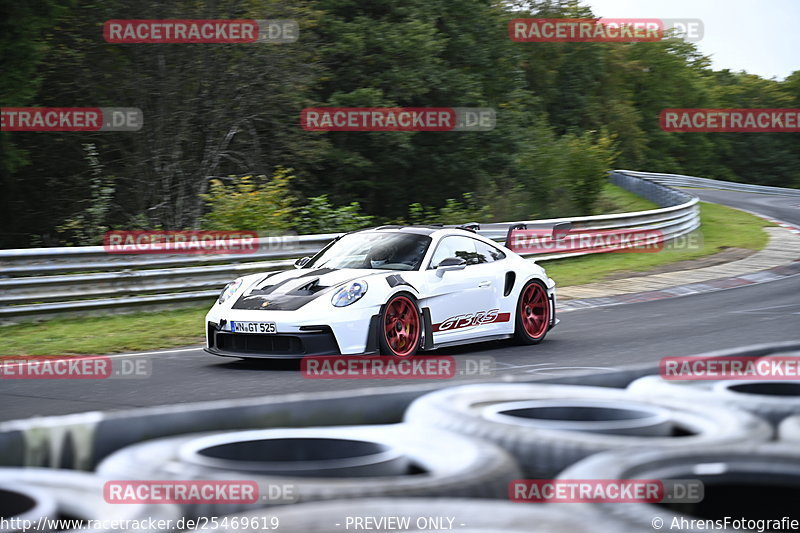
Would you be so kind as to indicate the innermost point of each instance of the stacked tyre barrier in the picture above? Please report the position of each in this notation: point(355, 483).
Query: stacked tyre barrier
point(325, 463)
point(549, 427)
point(428, 516)
point(448, 454)
point(771, 400)
point(789, 430)
point(51, 499)
point(757, 482)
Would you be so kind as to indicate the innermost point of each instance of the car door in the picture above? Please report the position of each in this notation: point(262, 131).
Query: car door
point(490, 269)
point(459, 299)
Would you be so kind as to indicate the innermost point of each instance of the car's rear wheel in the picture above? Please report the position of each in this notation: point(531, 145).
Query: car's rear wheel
point(400, 326)
point(533, 314)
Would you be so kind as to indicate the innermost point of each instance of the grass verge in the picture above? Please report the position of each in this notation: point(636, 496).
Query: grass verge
point(722, 227)
point(106, 334)
point(615, 199)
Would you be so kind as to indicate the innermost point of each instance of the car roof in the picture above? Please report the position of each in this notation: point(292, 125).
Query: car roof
point(416, 229)
point(423, 229)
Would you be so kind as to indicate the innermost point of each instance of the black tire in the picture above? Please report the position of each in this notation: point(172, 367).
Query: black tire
point(789, 430)
point(521, 334)
point(384, 342)
point(545, 452)
point(445, 464)
point(468, 516)
point(758, 481)
point(79, 496)
point(771, 400)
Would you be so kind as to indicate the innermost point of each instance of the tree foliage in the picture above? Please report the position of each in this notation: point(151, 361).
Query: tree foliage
point(566, 113)
point(250, 204)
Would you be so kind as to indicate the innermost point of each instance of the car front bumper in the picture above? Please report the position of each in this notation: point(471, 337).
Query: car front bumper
point(312, 341)
point(301, 333)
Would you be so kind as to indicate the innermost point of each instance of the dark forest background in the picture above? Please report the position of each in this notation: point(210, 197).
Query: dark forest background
point(222, 147)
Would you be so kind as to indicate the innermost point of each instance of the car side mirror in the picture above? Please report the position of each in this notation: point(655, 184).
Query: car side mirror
point(451, 263)
point(303, 261)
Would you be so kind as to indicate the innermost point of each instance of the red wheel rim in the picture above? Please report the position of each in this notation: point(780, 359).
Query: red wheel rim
point(534, 310)
point(401, 326)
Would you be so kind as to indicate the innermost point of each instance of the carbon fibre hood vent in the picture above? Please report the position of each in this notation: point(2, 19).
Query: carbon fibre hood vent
point(312, 287)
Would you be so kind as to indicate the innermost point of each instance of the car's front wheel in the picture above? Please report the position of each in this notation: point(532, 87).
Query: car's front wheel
point(533, 314)
point(400, 326)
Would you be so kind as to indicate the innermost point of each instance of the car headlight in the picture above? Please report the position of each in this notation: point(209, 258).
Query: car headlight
point(229, 290)
point(350, 293)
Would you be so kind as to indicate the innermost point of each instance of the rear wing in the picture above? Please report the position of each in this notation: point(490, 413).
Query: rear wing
point(558, 230)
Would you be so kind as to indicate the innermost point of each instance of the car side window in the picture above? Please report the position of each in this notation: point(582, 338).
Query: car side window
point(488, 253)
point(462, 247)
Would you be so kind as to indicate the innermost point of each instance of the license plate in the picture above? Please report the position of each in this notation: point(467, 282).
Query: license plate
point(252, 327)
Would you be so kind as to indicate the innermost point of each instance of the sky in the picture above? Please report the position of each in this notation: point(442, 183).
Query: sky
point(759, 36)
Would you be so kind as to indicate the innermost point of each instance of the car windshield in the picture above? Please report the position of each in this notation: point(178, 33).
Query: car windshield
point(380, 250)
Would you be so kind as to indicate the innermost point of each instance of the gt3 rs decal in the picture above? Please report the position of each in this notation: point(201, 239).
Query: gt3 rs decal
point(472, 319)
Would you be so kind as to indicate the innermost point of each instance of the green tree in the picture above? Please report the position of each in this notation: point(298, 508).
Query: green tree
point(247, 204)
point(319, 216)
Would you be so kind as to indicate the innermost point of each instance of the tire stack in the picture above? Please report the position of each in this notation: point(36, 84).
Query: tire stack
point(549, 427)
point(324, 463)
point(34, 494)
point(756, 483)
point(549, 430)
point(429, 516)
point(789, 430)
point(457, 450)
point(770, 400)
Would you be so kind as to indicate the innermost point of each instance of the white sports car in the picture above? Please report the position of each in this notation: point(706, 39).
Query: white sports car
point(391, 290)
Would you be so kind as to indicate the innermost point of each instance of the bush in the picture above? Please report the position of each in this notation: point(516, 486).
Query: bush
point(248, 204)
point(453, 212)
point(564, 176)
point(319, 216)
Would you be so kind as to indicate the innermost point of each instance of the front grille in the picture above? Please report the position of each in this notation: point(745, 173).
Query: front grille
point(266, 344)
point(316, 340)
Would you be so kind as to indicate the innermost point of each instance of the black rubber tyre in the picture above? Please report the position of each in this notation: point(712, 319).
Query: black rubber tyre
point(771, 400)
point(789, 430)
point(466, 515)
point(544, 452)
point(400, 326)
point(79, 496)
point(532, 314)
point(445, 464)
point(752, 481)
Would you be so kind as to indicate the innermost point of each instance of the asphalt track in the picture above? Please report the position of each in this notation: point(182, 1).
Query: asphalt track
point(785, 208)
point(608, 337)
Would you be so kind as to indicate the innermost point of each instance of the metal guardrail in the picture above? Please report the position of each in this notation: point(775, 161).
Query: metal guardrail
point(43, 282)
point(678, 180)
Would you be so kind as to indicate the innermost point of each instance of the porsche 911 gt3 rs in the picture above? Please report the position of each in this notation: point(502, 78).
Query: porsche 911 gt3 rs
point(391, 290)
